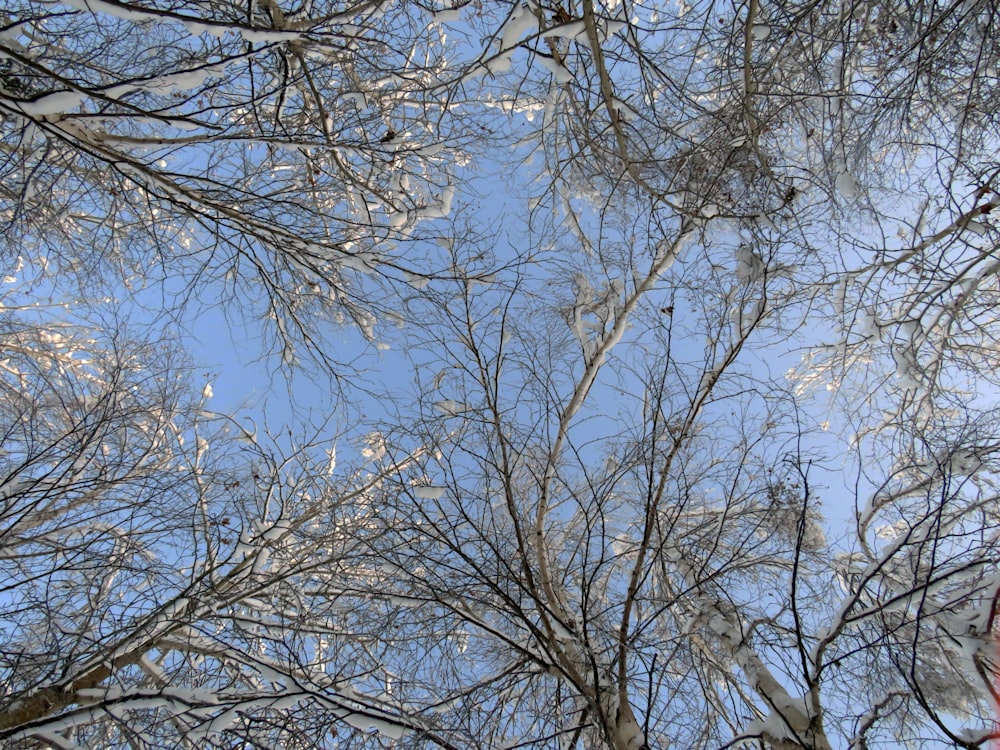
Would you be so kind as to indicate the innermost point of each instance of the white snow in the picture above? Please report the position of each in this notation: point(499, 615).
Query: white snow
point(521, 22)
point(907, 371)
point(559, 72)
point(13, 31)
point(276, 531)
point(428, 492)
point(846, 185)
point(125, 12)
point(267, 36)
point(354, 97)
point(750, 266)
point(260, 563)
point(964, 462)
point(625, 111)
point(153, 670)
point(197, 29)
point(450, 408)
point(438, 210)
point(398, 219)
point(52, 104)
point(570, 30)
point(417, 282)
point(561, 632)
point(432, 149)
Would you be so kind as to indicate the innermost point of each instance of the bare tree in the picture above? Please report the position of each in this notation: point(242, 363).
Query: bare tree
point(622, 518)
point(168, 576)
point(616, 508)
point(271, 152)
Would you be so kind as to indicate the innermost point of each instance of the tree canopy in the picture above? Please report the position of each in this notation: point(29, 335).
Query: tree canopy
point(659, 350)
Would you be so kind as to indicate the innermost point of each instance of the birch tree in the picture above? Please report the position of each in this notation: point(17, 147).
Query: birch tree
point(168, 576)
point(698, 449)
point(270, 151)
point(623, 509)
point(627, 520)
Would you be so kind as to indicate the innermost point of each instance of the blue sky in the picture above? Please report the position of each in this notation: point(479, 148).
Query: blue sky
point(558, 277)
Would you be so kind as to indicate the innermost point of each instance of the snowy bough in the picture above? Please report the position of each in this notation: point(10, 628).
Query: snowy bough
point(168, 576)
point(651, 541)
point(688, 437)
